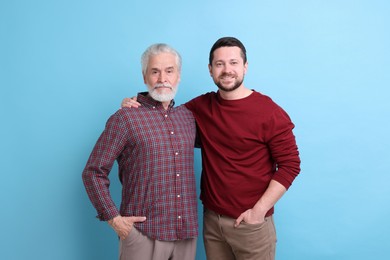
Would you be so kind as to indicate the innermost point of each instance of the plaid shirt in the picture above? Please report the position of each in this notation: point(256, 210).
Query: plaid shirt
point(154, 149)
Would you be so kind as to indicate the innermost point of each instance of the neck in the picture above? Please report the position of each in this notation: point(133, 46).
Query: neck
point(241, 92)
point(166, 104)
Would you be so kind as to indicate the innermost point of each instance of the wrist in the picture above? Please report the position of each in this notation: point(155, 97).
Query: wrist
point(112, 221)
point(258, 210)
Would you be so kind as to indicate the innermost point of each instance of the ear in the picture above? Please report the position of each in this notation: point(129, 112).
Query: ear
point(245, 67)
point(143, 76)
point(211, 74)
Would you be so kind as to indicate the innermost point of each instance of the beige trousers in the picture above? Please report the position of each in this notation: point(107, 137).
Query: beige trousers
point(248, 241)
point(137, 246)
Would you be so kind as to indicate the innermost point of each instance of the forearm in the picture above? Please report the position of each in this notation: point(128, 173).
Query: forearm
point(95, 175)
point(257, 214)
point(97, 188)
point(284, 150)
point(271, 196)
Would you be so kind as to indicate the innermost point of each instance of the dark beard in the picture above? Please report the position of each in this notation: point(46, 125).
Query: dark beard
point(236, 86)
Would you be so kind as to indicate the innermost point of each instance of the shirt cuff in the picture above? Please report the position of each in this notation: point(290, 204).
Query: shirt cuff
point(108, 214)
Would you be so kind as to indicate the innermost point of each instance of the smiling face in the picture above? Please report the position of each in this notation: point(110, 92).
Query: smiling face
point(228, 68)
point(162, 76)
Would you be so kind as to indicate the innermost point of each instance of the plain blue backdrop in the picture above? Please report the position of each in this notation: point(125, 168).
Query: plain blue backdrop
point(66, 65)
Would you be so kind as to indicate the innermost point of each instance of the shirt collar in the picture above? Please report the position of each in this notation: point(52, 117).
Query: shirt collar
point(148, 101)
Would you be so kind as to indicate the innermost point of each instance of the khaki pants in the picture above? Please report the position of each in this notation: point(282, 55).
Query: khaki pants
point(225, 242)
point(137, 246)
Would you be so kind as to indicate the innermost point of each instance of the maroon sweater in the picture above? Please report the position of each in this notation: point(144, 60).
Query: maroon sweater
point(246, 143)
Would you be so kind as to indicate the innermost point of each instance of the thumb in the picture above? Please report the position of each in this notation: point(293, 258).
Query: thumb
point(138, 219)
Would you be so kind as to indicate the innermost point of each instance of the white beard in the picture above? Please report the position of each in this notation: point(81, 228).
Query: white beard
point(162, 97)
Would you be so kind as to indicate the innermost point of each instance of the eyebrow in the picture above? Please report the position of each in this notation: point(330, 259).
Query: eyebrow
point(167, 68)
point(227, 60)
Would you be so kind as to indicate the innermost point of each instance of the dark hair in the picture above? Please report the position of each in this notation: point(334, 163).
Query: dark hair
point(227, 42)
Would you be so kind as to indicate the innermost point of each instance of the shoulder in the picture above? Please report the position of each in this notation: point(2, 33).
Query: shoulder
point(264, 101)
point(258, 96)
point(125, 115)
point(265, 106)
point(201, 100)
point(207, 96)
point(128, 112)
point(183, 109)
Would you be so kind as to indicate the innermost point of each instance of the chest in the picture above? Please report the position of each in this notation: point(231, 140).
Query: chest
point(155, 129)
point(238, 128)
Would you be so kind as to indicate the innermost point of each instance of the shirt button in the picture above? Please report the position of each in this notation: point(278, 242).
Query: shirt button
point(172, 133)
point(178, 175)
point(178, 196)
point(166, 115)
point(154, 107)
point(179, 217)
point(176, 153)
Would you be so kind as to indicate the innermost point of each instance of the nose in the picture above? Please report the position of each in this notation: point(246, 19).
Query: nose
point(162, 77)
point(226, 68)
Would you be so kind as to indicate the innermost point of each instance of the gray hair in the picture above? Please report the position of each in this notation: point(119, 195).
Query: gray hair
point(156, 49)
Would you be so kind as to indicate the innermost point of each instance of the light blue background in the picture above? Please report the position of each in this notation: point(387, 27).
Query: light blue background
point(66, 65)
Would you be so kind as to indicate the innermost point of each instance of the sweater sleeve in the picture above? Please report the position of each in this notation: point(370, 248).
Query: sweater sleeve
point(283, 148)
point(95, 175)
point(191, 105)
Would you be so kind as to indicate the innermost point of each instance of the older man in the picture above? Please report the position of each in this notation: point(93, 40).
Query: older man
point(154, 147)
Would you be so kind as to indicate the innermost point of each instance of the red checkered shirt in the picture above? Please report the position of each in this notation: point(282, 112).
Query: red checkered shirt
point(154, 149)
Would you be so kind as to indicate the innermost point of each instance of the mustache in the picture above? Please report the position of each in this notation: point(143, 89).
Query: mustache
point(224, 74)
point(163, 85)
